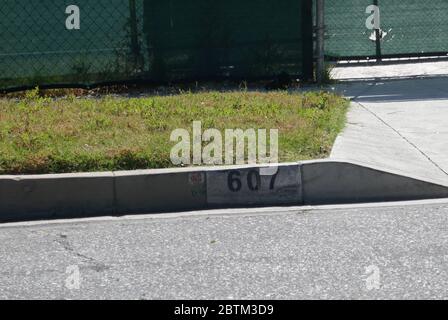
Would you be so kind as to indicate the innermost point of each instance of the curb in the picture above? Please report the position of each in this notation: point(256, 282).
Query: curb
point(320, 182)
point(56, 196)
point(340, 182)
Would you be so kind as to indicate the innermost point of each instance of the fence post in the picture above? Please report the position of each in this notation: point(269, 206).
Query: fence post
point(378, 38)
point(307, 21)
point(135, 47)
point(320, 40)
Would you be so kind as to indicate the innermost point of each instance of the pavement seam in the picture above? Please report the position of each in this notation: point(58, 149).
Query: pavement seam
point(403, 137)
point(114, 190)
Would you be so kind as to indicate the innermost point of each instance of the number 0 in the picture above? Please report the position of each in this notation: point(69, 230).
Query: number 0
point(250, 180)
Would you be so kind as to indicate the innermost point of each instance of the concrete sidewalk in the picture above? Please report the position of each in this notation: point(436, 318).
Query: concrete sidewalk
point(392, 70)
point(399, 125)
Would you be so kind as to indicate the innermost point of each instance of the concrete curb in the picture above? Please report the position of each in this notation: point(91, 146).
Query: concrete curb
point(56, 196)
point(307, 183)
point(338, 182)
point(158, 191)
point(250, 186)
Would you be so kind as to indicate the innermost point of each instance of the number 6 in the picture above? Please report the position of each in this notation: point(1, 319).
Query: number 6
point(233, 181)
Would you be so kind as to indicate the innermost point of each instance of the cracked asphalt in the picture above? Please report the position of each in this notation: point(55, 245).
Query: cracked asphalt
point(397, 252)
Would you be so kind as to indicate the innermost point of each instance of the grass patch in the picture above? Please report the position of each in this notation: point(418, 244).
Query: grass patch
point(73, 134)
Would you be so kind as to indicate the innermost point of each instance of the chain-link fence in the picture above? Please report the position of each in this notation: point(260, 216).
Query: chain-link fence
point(41, 43)
point(85, 42)
point(406, 28)
point(82, 42)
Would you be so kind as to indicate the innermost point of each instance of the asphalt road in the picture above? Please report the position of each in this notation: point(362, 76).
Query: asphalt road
point(398, 252)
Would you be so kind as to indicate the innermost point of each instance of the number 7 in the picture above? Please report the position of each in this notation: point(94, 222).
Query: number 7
point(273, 179)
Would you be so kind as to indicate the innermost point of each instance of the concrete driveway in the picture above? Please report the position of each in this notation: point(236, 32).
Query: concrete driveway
point(398, 125)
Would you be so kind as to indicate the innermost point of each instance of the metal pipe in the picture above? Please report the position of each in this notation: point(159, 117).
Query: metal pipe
point(134, 33)
point(378, 38)
point(320, 40)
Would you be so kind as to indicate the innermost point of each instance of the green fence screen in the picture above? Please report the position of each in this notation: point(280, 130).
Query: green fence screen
point(152, 40)
point(408, 28)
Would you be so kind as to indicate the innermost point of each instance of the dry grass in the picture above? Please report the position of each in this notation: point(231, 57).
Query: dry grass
point(39, 134)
